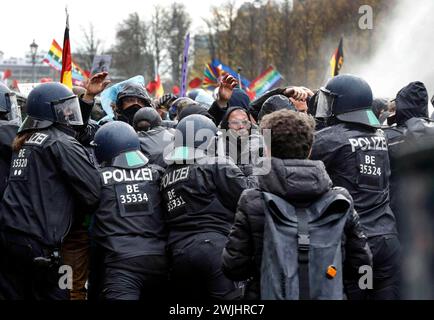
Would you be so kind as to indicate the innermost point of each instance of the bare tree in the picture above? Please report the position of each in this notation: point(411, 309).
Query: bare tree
point(90, 46)
point(132, 52)
point(177, 23)
point(159, 37)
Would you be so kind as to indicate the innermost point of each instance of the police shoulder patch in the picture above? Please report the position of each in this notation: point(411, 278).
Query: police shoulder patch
point(37, 138)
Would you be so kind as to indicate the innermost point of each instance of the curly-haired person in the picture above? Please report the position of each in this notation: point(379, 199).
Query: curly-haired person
point(301, 183)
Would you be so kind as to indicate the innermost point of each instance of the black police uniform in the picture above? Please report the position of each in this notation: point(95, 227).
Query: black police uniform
point(51, 177)
point(129, 228)
point(8, 131)
point(200, 202)
point(356, 158)
point(154, 143)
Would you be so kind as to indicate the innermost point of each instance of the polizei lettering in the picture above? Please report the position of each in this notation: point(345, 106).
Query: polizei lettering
point(174, 176)
point(122, 175)
point(368, 143)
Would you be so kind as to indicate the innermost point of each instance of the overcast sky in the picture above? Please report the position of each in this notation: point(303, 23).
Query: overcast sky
point(24, 20)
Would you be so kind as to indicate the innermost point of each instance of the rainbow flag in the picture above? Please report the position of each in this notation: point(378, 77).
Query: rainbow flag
point(266, 80)
point(226, 69)
point(54, 59)
point(211, 76)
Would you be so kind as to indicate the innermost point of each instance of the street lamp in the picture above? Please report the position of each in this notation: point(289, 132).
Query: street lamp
point(33, 51)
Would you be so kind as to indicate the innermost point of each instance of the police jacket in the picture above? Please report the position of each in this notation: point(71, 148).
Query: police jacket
point(301, 183)
point(51, 177)
point(128, 222)
point(154, 142)
point(8, 131)
point(201, 197)
point(356, 158)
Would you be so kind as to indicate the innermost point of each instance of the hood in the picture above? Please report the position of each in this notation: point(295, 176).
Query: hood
point(411, 102)
point(239, 99)
point(133, 90)
point(224, 123)
point(296, 180)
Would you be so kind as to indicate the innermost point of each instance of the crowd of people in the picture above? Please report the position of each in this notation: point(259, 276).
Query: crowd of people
point(288, 196)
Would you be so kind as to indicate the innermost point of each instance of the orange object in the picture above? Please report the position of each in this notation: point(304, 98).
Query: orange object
point(331, 272)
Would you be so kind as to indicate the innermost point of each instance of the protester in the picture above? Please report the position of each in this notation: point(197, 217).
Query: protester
point(300, 94)
point(241, 140)
point(412, 123)
point(300, 183)
point(228, 96)
point(129, 100)
point(275, 103)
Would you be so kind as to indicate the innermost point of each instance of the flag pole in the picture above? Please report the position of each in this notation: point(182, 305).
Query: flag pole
point(239, 69)
point(67, 16)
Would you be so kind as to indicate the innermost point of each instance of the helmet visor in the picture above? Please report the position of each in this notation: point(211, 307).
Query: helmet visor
point(15, 111)
point(325, 103)
point(68, 111)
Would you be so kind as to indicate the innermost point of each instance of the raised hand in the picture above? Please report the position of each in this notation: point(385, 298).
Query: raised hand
point(226, 88)
point(95, 85)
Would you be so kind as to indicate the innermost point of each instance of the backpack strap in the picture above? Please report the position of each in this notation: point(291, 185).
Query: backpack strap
point(303, 253)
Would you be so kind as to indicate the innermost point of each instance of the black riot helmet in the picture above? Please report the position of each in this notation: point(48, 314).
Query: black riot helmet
point(146, 119)
point(117, 144)
point(134, 90)
point(194, 136)
point(347, 98)
point(9, 105)
point(50, 103)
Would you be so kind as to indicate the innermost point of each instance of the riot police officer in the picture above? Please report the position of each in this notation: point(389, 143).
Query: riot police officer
point(355, 154)
point(128, 226)
point(9, 122)
point(51, 178)
point(200, 196)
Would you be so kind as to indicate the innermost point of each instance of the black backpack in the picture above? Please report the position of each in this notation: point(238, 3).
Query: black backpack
point(302, 252)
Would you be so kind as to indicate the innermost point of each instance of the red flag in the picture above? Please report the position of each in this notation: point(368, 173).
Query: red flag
point(159, 90)
point(155, 86)
point(195, 83)
point(151, 86)
point(66, 73)
point(7, 74)
point(176, 90)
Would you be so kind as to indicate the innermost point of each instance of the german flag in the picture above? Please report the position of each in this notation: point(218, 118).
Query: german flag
point(337, 59)
point(66, 73)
